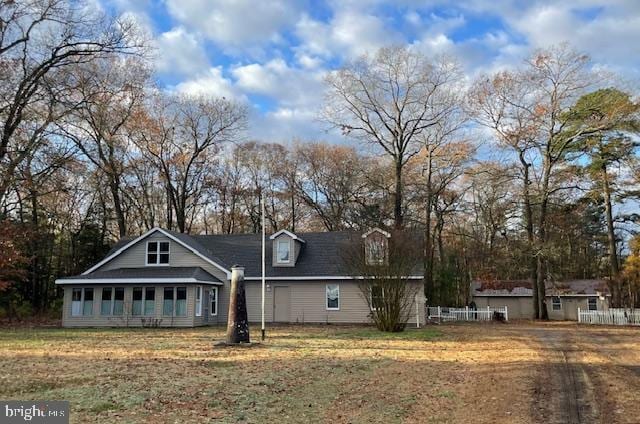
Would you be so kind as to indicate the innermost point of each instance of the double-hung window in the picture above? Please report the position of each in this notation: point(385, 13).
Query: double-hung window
point(81, 302)
point(144, 301)
point(556, 303)
point(157, 253)
point(198, 301)
point(593, 304)
point(377, 297)
point(213, 301)
point(175, 301)
point(333, 297)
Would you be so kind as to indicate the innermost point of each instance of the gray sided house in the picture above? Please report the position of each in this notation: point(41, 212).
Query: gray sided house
point(563, 298)
point(168, 279)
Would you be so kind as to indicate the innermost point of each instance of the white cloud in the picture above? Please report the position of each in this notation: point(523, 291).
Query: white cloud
point(291, 87)
point(236, 23)
point(180, 52)
point(349, 34)
point(212, 83)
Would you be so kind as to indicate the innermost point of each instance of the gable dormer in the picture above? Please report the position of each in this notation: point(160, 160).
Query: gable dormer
point(376, 246)
point(286, 248)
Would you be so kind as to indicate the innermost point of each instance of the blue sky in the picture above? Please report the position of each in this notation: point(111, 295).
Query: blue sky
point(274, 54)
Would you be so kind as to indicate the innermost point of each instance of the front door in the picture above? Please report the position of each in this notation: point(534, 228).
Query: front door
point(281, 303)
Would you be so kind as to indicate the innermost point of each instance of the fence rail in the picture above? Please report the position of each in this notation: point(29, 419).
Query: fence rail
point(612, 316)
point(443, 313)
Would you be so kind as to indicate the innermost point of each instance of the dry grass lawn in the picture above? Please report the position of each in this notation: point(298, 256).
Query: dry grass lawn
point(453, 373)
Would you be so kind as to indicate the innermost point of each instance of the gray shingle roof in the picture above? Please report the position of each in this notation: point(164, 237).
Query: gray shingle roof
point(322, 254)
point(552, 288)
point(150, 272)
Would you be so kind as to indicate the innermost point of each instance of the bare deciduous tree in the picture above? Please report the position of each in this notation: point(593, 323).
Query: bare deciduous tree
point(389, 100)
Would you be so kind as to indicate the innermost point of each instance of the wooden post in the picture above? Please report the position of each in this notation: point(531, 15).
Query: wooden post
point(579, 315)
point(237, 322)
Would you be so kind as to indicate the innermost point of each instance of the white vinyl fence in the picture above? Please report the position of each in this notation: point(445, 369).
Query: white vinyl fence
point(612, 316)
point(443, 313)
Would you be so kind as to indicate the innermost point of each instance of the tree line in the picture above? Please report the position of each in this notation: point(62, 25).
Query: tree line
point(529, 173)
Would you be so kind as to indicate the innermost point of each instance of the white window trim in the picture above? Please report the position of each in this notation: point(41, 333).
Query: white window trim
point(175, 301)
point(157, 263)
point(589, 304)
point(326, 297)
point(278, 242)
point(554, 303)
point(198, 301)
point(216, 292)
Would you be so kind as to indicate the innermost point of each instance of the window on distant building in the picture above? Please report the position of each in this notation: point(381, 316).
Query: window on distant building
point(81, 302)
point(333, 297)
point(556, 303)
point(593, 304)
point(157, 253)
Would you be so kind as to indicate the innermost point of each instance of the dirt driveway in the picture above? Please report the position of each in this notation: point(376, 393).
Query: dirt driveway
point(582, 374)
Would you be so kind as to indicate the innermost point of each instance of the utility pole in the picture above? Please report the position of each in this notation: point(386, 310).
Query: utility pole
point(263, 260)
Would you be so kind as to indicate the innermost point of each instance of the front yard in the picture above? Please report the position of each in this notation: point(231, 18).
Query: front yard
point(454, 373)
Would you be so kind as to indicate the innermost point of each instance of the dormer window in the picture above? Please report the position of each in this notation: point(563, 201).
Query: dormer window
point(283, 251)
point(376, 246)
point(158, 253)
point(376, 252)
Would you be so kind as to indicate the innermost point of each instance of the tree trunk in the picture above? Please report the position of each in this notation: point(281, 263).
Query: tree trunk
point(611, 236)
point(114, 185)
point(397, 208)
point(528, 215)
point(428, 263)
point(237, 322)
point(542, 238)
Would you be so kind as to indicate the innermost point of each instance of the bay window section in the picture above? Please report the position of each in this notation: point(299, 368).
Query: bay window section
point(181, 301)
point(76, 302)
point(87, 304)
point(137, 301)
point(105, 306)
point(118, 301)
point(149, 301)
point(167, 302)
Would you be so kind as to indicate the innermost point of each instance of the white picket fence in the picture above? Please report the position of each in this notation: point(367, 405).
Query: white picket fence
point(443, 313)
point(612, 316)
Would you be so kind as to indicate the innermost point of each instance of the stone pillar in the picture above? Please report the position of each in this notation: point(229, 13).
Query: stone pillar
point(237, 322)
